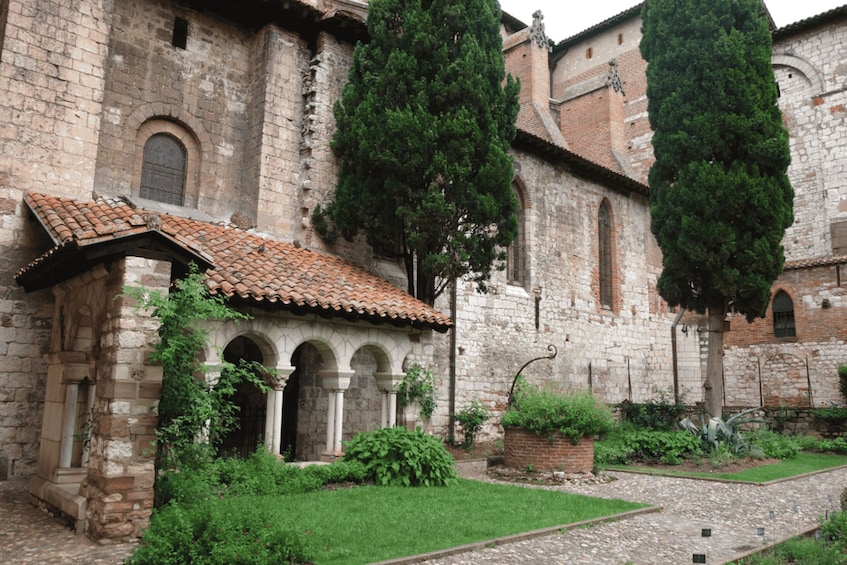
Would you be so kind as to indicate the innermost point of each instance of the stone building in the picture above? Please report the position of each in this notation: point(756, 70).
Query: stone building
point(139, 136)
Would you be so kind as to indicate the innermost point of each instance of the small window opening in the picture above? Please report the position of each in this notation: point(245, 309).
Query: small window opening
point(783, 315)
point(620, 39)
point(588, 53)
point(180, 34)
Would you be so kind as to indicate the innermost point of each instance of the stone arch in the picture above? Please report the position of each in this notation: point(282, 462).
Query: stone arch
point(522, 193)
point(804, 67)
point(190, 142)
point(785, 380)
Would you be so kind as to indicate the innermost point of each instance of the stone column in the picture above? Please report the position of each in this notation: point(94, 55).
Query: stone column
point(273, 408)
point(388, 383)
point(335, 383)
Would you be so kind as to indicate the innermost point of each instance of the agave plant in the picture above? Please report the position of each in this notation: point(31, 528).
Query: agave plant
point(716, 432)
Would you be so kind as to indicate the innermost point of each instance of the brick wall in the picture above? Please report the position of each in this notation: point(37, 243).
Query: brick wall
point(524, 448)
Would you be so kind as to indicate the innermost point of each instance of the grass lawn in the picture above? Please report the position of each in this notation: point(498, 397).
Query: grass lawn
point(804, 462)
point(367, 524)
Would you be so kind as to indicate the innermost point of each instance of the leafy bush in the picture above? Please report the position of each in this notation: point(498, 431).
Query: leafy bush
point(548, 409)
point(660, 413)
point(260, 474)
point(842, 380)
point(768, 444)
point(834, 414)
point(837, 445)
point(401, 457)
point(638, 444)
point(244, 530)
point(471, 418)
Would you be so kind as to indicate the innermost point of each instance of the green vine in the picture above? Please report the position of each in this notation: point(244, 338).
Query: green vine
point(194, 414)
point(418, 385)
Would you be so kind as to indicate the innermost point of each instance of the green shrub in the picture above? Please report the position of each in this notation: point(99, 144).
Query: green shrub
point(659, 413)
point(651, 446)
point(842, 380)
point(548, 409)
point(260, 474)
point(837, 445)
point(471, 417)
point(401, 457)
point(768, 444)
point(247, 530)
point(832, 414)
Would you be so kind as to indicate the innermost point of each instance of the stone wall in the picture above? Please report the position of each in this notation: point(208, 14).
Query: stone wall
point(119, 484)
point(609, 350)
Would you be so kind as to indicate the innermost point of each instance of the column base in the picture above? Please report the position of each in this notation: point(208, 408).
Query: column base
point(330, 456)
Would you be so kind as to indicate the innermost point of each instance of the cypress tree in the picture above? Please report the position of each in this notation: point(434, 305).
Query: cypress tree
point(423, 130)
point(720, 197)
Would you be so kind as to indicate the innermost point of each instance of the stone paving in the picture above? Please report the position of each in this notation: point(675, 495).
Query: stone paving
point(733, 512)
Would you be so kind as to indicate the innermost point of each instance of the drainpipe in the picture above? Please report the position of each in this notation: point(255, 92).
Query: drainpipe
point(451, 430)
point(674, 355)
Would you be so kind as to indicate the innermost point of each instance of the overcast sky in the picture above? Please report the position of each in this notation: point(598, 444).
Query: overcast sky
point(565, 18)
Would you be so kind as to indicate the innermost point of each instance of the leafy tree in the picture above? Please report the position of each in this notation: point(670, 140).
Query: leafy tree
point(423, 130)
point(721, 200)
point(194, 413)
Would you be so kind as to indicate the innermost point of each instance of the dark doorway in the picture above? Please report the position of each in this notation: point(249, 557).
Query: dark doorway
point(243, 440)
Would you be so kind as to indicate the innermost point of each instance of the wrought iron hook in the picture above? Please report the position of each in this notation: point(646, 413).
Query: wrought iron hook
point(551, 354)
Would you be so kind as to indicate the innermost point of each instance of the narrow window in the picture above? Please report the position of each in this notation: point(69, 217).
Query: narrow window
point(588, 53)
point(179, 39)
point(516, 254)
point(604, 232)
point(620, 39)
point(783, 315)
point(163, 169)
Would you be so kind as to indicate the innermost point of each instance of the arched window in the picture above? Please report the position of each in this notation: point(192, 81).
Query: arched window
point(163, 169)
point(516, 254)
point(783, 315)
point(604, 232)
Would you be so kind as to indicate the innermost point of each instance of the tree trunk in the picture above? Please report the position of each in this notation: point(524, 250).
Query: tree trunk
point(714, 362)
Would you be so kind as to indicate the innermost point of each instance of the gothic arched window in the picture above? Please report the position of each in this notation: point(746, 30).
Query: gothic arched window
point(783, 315)
point(163, 169)
point(516, 253)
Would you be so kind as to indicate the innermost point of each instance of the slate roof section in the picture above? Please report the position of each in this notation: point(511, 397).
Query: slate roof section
point(244, 266)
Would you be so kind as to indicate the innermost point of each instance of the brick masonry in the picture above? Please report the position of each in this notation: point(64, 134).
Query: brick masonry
point(525, 449)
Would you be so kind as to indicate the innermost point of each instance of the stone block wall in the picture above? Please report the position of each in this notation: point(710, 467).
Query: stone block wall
point(119, 484)
point(810, 73)
point(611, 351)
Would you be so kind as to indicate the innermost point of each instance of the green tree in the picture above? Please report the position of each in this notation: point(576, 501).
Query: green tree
point(423, 130)
point(720, 197)
point(194, 413)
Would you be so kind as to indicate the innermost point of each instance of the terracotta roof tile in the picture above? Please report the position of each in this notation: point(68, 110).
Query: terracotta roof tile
point(248, 266)
point(816, 262)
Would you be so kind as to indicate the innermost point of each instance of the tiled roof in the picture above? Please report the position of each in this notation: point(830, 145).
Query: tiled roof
point(261, 270)
point(815, 262)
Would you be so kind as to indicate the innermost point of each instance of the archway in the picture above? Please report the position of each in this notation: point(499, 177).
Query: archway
point(243, 440)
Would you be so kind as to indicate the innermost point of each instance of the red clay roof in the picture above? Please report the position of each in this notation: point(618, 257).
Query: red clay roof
point(261, 270)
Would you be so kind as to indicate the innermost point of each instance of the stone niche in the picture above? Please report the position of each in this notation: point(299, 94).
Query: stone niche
point(524, 448)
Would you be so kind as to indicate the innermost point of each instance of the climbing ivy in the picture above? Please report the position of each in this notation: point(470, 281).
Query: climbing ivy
point(194, 414)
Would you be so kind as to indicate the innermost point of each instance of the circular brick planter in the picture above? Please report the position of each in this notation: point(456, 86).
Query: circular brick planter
point(524, 448)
